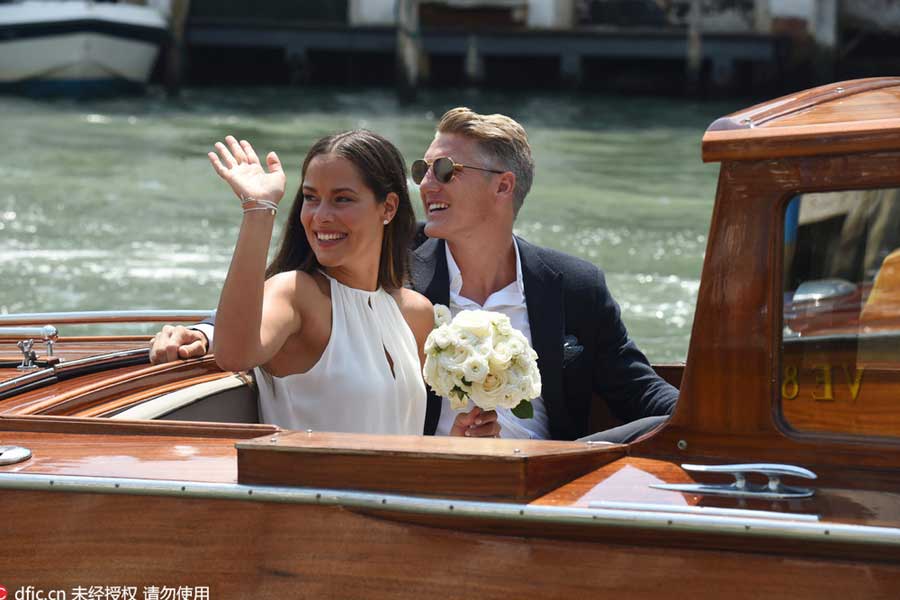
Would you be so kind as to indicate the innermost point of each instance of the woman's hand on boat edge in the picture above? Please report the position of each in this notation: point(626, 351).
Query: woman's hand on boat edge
point(238, 164)
point(172, 343)
point(476, 423)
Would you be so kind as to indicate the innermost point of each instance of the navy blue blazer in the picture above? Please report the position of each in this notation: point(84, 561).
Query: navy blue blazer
point(576, 329)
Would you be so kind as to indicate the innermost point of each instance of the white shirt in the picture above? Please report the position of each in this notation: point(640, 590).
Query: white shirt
point(511, 302)
point(209, 331)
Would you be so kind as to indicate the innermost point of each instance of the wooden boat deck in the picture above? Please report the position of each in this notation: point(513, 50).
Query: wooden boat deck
point(206, 452)
point(139, 450)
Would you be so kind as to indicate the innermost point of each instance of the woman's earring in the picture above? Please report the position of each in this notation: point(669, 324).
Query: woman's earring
point(386, 221)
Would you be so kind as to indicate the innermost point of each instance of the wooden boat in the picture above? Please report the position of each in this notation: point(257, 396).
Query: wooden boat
point(779, 472)
point(78, 48)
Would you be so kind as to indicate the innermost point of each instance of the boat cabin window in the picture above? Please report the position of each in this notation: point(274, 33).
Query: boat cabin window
point(840, 363)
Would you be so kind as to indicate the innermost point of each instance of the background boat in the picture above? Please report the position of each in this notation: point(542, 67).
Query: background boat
point(79, 48)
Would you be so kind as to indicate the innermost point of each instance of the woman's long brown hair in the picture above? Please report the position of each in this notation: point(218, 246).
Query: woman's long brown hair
point(383, 170)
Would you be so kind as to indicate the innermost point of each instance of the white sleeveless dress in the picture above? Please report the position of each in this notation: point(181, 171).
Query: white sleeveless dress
point(352, 387)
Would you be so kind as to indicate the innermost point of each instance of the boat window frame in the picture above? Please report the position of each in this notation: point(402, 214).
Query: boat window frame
point(777, 300)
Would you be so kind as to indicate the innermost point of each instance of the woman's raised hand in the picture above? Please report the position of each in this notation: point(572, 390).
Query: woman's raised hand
point(239, 166)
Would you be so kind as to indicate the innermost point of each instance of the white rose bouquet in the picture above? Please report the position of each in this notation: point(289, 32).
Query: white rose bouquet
point(479, 356)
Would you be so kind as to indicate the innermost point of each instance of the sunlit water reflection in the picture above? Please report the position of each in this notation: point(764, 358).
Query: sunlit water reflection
point(113, 204)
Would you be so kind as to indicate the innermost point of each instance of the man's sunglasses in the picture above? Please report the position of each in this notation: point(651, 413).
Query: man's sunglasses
point(444, 168)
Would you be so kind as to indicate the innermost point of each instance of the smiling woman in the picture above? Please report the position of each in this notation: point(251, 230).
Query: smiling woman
point(333, 337)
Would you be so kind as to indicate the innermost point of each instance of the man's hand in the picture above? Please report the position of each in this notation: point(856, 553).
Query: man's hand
point(476, 423)
point(177, 342)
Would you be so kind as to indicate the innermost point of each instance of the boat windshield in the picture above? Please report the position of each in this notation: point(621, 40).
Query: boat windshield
point(841, 336)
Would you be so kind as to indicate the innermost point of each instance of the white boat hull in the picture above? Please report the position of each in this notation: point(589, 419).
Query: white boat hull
point(78, 46)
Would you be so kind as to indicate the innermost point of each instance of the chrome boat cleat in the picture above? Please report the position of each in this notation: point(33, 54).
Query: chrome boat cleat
point(741, 488)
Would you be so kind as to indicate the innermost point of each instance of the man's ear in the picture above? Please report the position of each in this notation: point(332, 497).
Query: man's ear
point(390, 205)
point(506, 185)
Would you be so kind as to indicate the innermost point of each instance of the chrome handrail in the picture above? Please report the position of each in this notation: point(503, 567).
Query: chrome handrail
point(45, 333)
point(27, 379)
point(101, 359)
point(448, 511)
point(106, 316)
point(62, 369)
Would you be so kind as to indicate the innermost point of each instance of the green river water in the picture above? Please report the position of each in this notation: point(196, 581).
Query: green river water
point(113, 204)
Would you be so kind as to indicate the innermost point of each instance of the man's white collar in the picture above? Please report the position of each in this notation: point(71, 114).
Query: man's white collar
point(456, 282)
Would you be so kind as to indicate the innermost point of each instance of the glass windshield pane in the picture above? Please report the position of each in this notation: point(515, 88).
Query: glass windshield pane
point(841, 342)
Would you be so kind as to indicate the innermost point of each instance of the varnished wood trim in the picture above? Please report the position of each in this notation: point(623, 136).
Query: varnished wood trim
point(422, 465)
point(273, 551)
point(762, 113)
point(808, 140)
point(727, 409)
point(128, 400)
point(97, 317)
point(74, 425)
point(149, 377)
point(670, 372)
point(515, 519)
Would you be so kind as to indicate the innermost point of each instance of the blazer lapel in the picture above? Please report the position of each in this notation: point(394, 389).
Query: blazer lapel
point(430, 277)
point(544, 297)
point(428, 271)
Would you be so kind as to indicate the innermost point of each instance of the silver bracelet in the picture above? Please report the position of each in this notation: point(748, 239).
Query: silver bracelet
point(271, 210)
point(255, 204)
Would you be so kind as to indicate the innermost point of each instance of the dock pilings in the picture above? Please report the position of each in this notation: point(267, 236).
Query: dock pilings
point(414, 54)
point(175, 49)
point(410, 56)
point(825, 32)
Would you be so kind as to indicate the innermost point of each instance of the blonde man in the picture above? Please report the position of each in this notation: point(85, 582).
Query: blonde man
point(473, 180)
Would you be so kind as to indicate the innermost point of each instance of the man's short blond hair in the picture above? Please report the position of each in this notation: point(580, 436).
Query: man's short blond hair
point(502, 141)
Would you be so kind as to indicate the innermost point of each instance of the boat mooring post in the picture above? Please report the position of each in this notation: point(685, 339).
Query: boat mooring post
point(473, 63)
point(410, 63)
point(174, 69)
point(762, 16)
point(694, 58)
point(825, 29)
point(570, 69)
